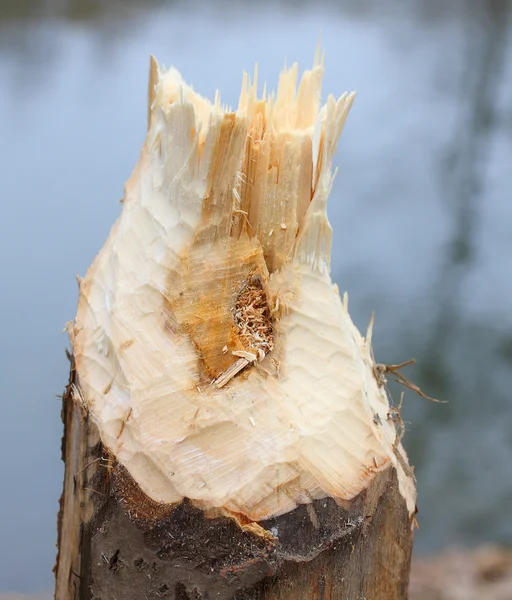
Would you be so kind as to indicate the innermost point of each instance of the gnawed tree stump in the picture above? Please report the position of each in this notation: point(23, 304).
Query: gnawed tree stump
point(225, 434)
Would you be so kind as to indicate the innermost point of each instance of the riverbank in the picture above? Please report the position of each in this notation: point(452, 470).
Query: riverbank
point(454, 574)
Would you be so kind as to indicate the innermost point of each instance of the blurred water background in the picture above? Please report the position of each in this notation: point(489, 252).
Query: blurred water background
point(421, 210)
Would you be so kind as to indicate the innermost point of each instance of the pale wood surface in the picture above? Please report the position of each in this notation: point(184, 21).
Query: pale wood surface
point(218, 199)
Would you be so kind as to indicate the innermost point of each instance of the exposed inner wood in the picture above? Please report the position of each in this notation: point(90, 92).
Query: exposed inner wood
point(214, 357)
point(206, 315)
point(226, 435)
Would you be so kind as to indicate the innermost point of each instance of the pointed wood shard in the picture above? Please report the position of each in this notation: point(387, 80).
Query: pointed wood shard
point(152, 81)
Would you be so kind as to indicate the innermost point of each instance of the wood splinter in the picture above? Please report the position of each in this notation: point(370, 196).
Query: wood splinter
point(228, 374)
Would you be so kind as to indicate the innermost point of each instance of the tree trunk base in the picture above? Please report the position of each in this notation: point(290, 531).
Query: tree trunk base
point(115, 542)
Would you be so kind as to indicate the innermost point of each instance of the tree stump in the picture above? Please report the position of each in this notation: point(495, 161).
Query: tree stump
point(227, 435)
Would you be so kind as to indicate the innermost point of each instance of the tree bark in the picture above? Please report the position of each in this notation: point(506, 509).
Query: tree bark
point(326, 509)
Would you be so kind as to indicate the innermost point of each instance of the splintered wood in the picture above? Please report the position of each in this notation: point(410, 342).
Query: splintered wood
point(212, 351)
point(217, 373)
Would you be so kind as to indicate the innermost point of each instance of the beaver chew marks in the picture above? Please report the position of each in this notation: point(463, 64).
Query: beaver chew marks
point(219, 266)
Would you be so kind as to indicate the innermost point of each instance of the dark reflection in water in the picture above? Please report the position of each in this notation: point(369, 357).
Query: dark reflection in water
point(75, 10)
point(421, 211)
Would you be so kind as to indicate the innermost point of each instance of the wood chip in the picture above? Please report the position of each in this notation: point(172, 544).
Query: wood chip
point(249, 356)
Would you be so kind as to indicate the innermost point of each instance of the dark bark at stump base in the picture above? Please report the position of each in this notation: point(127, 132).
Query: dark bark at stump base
point(116, 543)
